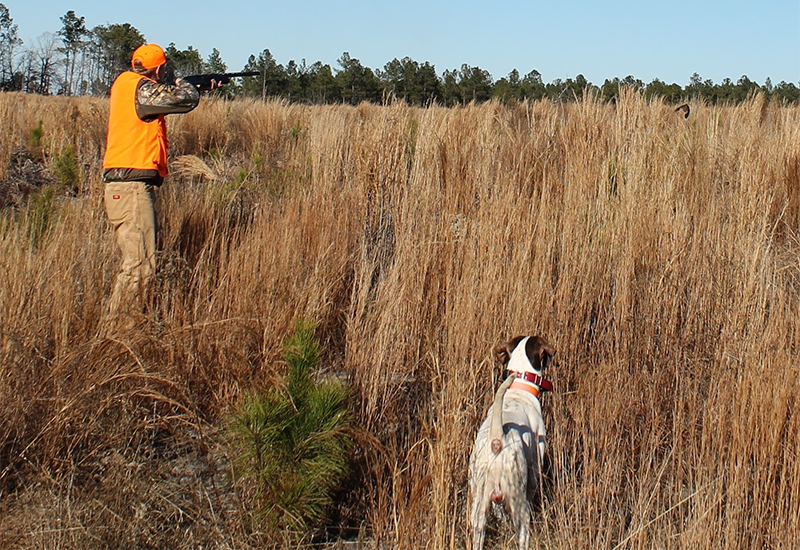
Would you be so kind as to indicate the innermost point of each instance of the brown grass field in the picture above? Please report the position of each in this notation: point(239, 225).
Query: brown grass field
point(660, 257)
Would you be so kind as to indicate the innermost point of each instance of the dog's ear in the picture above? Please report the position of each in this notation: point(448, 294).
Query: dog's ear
point(539, 352)
point(547, 352)
point(503, 352)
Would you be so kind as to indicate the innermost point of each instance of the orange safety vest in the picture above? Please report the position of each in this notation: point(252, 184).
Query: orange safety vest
point(133, 143)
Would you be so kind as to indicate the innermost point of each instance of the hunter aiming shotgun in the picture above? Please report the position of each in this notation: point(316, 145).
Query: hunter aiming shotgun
point(203, 81)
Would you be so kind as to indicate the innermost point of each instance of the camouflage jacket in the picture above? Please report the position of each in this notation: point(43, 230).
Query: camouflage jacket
point(152, 100)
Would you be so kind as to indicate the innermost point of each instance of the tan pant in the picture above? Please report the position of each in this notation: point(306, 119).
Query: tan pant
point(131, 211)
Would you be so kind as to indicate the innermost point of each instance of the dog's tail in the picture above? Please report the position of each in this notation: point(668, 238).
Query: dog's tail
point(496, 428)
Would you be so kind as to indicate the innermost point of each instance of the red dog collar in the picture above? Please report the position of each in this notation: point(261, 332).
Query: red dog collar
point(534, 378)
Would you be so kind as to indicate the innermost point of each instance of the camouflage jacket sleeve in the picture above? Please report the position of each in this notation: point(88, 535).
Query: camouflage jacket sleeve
point(153, 99)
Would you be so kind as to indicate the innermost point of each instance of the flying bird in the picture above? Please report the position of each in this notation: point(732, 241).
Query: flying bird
point(684, 109)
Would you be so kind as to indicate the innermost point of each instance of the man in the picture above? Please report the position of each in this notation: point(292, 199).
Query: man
point(135, 163)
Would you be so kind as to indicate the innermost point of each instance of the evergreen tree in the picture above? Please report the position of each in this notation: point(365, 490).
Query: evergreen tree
point(291, 444)
point(406, 79)
point(767, 87)
point(532, 86)
point(746, 88)
point(508, 88)
point(725, 91)
point(428, 84)
point(296, 80)
point(72, 33)
point(272, 80)
point(8, 43)
point(398, 76)
point(629, 82)
point(451, 91)
point(699, 88)
point(113, 46)
point(182, 62)
point(474, 84)
point(214, 63)
point(575, 89)
point(322, 84)
point(786, 92)
point(671, 93)
point(356, 82)
point(610, 89)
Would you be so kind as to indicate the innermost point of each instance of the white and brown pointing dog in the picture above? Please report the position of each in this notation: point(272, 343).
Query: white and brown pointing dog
point(509, 448)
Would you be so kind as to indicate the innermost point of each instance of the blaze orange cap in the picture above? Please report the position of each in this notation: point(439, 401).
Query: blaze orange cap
point(149, 55)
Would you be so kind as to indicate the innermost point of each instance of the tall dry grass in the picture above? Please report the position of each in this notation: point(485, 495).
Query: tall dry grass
point(658, 255)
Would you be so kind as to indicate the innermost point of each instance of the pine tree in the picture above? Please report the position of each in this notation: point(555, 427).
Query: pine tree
point(292, 444)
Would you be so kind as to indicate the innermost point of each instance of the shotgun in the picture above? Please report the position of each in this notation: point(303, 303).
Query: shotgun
point(203, 81)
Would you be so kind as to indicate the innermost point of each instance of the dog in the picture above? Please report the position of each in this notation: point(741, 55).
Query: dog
point(509, 449)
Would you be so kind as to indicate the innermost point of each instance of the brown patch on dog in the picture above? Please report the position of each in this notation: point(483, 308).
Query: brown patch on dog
point(536, 348)
point(503, 351)
point(538, 352)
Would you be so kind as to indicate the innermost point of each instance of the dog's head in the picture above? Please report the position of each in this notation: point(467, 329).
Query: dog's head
point(525, 354)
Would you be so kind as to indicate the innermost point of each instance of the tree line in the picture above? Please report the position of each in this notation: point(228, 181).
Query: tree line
point(77, 60)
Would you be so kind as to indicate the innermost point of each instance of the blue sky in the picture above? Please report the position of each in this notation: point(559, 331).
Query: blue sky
point(561, 39)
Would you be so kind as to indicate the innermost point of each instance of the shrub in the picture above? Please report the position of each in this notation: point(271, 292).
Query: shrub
point(35, 136)
point(291, 444)
point(40, 213)
point(65, 168)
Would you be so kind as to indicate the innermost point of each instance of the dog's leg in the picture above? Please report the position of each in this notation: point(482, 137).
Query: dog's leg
point(480, 509)
point(541, 442)
point(536, 470)
point(477, 485)
point(518, 473)
point(521, 516)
